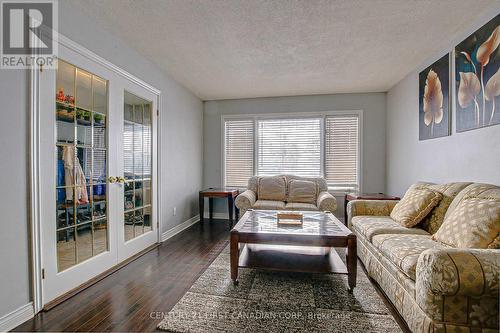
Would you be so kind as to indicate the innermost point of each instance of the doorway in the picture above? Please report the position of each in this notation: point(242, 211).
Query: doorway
point(97, 160)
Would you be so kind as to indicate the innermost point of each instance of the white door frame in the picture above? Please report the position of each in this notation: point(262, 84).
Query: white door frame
point(35, 167)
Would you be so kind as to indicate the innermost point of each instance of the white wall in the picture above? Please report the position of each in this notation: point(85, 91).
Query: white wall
point(14, 269)
point(181, 122)
point(468, 156)
point(372, 104)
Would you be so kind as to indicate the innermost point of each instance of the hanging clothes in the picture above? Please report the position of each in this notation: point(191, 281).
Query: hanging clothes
point(72, 173)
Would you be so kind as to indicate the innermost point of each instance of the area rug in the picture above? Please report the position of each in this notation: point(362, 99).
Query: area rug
point(266, 301)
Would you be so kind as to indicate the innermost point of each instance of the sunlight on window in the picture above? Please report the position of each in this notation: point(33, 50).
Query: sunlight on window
point(289, 146)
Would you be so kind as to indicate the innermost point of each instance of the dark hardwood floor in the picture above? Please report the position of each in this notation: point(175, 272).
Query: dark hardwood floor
point(128, 299)
point(134, 297)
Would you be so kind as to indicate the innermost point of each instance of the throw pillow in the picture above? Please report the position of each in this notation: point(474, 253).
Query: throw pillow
point(415, 205)
point(272, 188)
point(302, 191)
point(474, 223)
point(435, 218)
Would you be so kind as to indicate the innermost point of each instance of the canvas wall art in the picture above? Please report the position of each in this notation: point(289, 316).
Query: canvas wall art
point(477, 78)
point(434, 94)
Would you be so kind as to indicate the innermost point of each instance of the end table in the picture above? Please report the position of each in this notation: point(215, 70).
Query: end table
point(364, 196)
point(211, 193)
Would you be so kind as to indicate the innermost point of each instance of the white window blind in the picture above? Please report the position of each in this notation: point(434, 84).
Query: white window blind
point(342, 151)
point(128, 149)
point(239, 152)
point(289, 146)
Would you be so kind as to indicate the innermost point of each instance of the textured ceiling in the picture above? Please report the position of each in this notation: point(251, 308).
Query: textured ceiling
point(223, 49)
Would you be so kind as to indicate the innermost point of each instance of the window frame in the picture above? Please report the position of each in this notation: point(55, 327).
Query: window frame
point(295, 115)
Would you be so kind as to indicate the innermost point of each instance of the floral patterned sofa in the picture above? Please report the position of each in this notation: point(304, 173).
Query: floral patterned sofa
point(435, 287)
point(286, 192)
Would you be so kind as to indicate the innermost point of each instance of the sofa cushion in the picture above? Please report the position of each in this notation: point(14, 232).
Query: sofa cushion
point(415, 205)
point(369, 226)
point(300, 206)
point(272, 188)
point(268, 204)
point(435, 218)
point(403, 250)
point(474, 223)
point(320, 181)
point(302, 191)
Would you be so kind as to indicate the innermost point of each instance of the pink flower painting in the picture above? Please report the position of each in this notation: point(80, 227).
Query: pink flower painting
point(434, 95)
point(477, 78)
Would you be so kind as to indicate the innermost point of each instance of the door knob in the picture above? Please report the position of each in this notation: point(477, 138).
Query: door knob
point(112, 179)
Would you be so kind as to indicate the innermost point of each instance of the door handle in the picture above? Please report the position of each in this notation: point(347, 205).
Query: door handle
point(120, 180)
point(112, 179)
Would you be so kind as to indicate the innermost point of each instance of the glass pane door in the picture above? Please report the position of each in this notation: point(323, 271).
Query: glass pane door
point(81, 169)
point(81, 106)
point(137, 162)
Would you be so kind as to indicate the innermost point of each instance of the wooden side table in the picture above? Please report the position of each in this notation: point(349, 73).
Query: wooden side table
point(364, 196)
point(213, 193)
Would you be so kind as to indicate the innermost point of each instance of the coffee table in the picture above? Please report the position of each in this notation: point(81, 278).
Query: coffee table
point(258, 242)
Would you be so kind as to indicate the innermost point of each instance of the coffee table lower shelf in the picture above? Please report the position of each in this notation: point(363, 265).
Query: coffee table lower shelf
point(288, 258)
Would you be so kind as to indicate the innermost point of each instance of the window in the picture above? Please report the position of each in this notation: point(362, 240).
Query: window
point(342, 151)
point(325, 144)
point(239, 150)
point(289, 146)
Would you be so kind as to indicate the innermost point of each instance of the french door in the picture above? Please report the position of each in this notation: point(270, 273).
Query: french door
point(98, 164)
point(137, 227)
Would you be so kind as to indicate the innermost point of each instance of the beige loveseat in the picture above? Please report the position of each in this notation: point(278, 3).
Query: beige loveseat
point(435, 287)
point(286, 192)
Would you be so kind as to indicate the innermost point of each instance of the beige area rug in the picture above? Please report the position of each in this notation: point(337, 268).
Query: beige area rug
point(265, 301)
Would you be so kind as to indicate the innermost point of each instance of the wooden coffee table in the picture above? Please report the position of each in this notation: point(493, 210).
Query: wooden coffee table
point(258, 242)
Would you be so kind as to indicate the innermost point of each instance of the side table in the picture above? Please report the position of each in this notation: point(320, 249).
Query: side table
point(213, 193)
point(364, 196)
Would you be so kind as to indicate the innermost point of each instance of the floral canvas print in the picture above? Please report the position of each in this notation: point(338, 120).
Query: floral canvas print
point(434, 92)
point(477, 78)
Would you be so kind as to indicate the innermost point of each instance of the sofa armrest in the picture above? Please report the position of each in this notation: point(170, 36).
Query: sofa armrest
point(369, 207)
point(245, 200)
point(458, 272)
point(459, 286)
point(326, 202)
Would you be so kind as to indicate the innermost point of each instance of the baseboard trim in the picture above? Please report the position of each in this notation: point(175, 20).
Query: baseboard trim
point(217, 216)
point(16, 317)
point(221, 216)
point(180, 227)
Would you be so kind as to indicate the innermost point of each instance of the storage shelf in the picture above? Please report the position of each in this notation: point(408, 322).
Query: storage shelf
point(137, 208)
point(65, 105)
point(75, 107)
